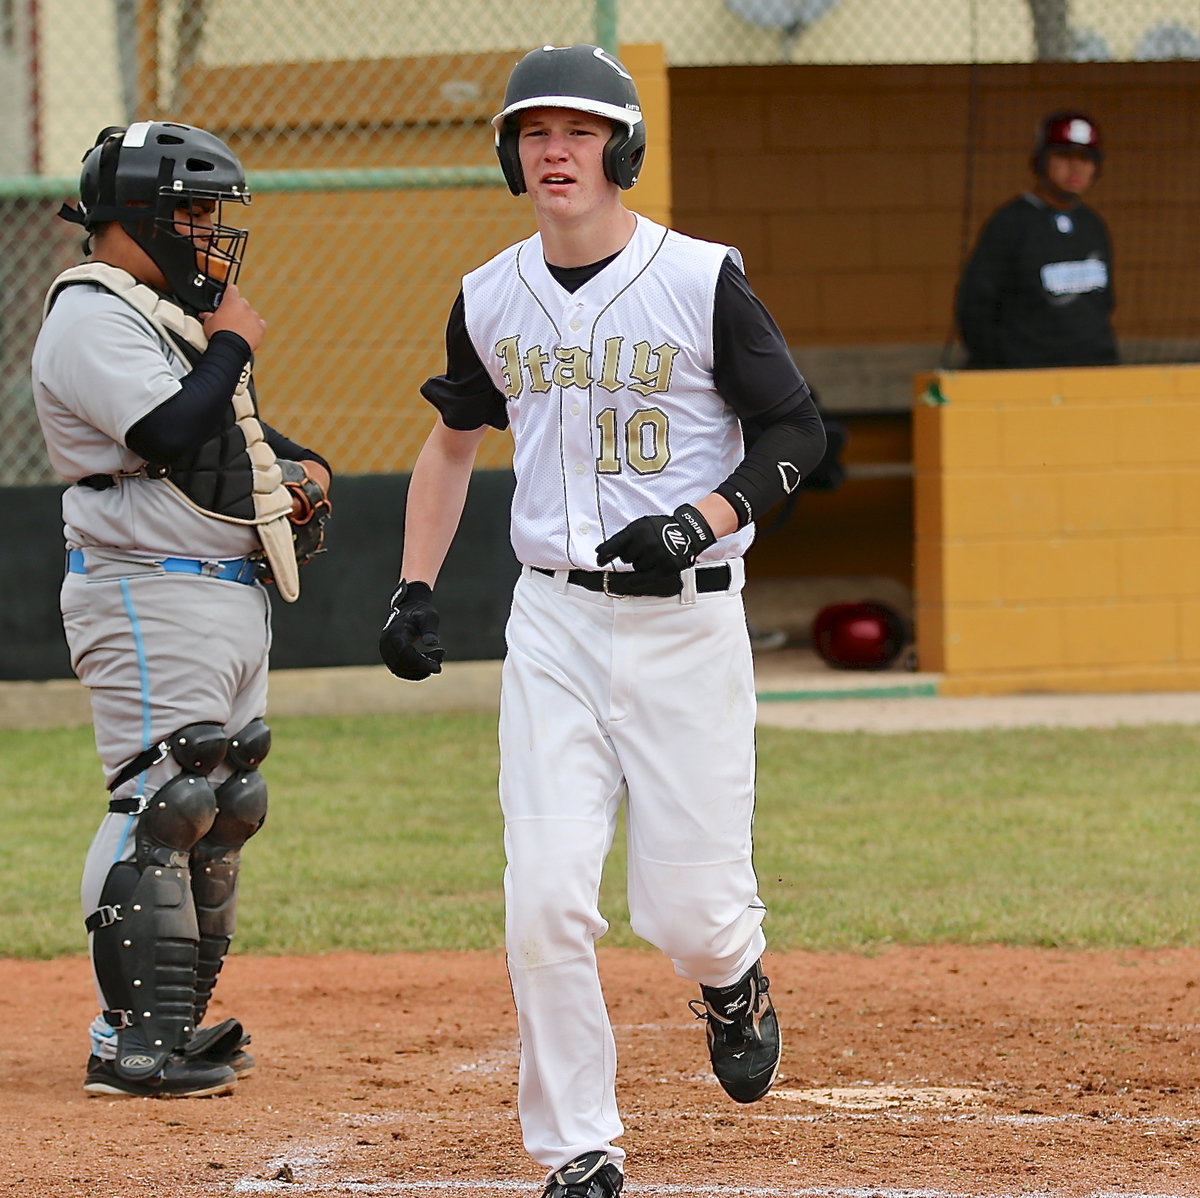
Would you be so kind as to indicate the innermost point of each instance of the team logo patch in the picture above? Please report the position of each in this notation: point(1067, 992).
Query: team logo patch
point(136, 1060)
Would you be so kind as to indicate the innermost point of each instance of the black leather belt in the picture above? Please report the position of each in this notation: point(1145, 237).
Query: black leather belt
point(630, 583)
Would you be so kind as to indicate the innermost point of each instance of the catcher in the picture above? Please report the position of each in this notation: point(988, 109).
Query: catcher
point(182, 503)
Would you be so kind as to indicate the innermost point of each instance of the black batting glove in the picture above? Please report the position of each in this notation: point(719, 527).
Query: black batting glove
point(409, 642)
point(660, 544)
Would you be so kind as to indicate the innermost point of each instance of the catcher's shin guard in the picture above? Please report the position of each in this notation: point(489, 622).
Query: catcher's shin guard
point(217, 858)
point(144, 934)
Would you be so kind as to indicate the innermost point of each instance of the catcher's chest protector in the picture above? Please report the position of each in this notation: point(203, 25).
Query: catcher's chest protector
point(235, 475)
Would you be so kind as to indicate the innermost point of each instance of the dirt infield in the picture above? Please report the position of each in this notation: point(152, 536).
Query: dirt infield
point(985, 1072)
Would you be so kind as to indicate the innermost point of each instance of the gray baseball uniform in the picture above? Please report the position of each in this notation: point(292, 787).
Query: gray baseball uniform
point(165, 620)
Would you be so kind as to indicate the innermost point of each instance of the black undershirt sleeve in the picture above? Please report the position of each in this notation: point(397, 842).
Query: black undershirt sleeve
point(755, 374)
point(286, 448)
point(465, 395)
point(198, 410)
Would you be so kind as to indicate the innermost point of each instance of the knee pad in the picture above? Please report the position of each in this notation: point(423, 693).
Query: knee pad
point(198, 748)
point(182, 810)
point(177, 815)
point(246, 749)
point(241, 809)
point(241, 800)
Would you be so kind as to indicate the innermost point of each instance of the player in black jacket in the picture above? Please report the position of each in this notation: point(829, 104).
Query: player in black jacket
point(1037, 290)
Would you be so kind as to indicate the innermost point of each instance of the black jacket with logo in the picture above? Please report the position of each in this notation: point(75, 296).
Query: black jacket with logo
point(1037, 290)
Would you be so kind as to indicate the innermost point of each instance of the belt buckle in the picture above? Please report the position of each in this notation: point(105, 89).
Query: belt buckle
point(604, 577)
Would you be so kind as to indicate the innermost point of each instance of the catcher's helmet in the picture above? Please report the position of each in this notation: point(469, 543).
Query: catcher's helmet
point(1067, 129)
point(859, 636)
point(142, 176)
point(583, 77)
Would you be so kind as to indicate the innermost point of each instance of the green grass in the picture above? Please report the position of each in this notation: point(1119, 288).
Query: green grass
point(384, 834)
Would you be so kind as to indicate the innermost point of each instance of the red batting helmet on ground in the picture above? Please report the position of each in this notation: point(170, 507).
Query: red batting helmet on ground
point(859, 636)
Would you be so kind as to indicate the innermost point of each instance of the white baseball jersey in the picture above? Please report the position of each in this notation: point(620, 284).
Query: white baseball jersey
point(609, 390)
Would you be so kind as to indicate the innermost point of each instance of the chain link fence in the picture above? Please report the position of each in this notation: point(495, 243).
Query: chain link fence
point(363, 126)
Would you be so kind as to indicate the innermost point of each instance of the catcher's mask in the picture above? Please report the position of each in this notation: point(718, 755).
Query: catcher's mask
point(1067, 129)
point(585, 78)
point(163, 182)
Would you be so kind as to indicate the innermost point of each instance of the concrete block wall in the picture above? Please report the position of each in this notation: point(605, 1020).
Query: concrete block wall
point(1057, 517)
point(845, 186)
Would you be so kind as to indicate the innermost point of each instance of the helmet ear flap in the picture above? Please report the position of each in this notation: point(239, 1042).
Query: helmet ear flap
point(623, 156)
point(509, 152)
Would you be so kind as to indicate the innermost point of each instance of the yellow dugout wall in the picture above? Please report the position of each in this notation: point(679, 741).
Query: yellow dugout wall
point(1058, 529)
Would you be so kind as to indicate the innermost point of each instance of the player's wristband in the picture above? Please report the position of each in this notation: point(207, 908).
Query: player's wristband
point(737, 499)
point(697, 527)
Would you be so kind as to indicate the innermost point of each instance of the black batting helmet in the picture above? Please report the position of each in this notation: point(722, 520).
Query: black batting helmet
point(1067, 129)
point(141, 176)
point(583, 77)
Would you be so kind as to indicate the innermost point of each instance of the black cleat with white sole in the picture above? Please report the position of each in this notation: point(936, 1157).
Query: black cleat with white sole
point(587, 1176)
point(743, 1034)
point(179, 1078)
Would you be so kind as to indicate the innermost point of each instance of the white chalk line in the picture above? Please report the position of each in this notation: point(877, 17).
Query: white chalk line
point(315, 1161)
point(459, 1186)
point(830, 1114)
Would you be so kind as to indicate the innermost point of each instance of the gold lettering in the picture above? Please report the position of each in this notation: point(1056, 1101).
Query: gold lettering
point(610, 364)
point(572, 367)
point(536, 361)
point(646, 446)
point(509, 352)
point(652, 379)
point(608, 462)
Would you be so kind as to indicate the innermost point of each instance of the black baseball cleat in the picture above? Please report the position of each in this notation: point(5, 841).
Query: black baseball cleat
point(587, 1176)
point(743, 1034)
point(180, 1078)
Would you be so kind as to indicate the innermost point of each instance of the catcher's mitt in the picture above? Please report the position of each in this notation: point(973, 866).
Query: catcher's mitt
point(308, 517)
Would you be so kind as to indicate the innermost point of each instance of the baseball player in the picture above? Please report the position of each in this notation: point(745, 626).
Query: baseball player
point(655, 411)
point(1037, 290)
point(181, 501)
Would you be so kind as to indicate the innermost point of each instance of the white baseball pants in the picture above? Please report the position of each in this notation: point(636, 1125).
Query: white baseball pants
point(650, 700)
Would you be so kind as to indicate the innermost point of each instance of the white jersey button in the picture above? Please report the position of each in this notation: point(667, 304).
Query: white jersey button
point(579, 467)
point(574, 409)
point(584, 529)
point(576, 325)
